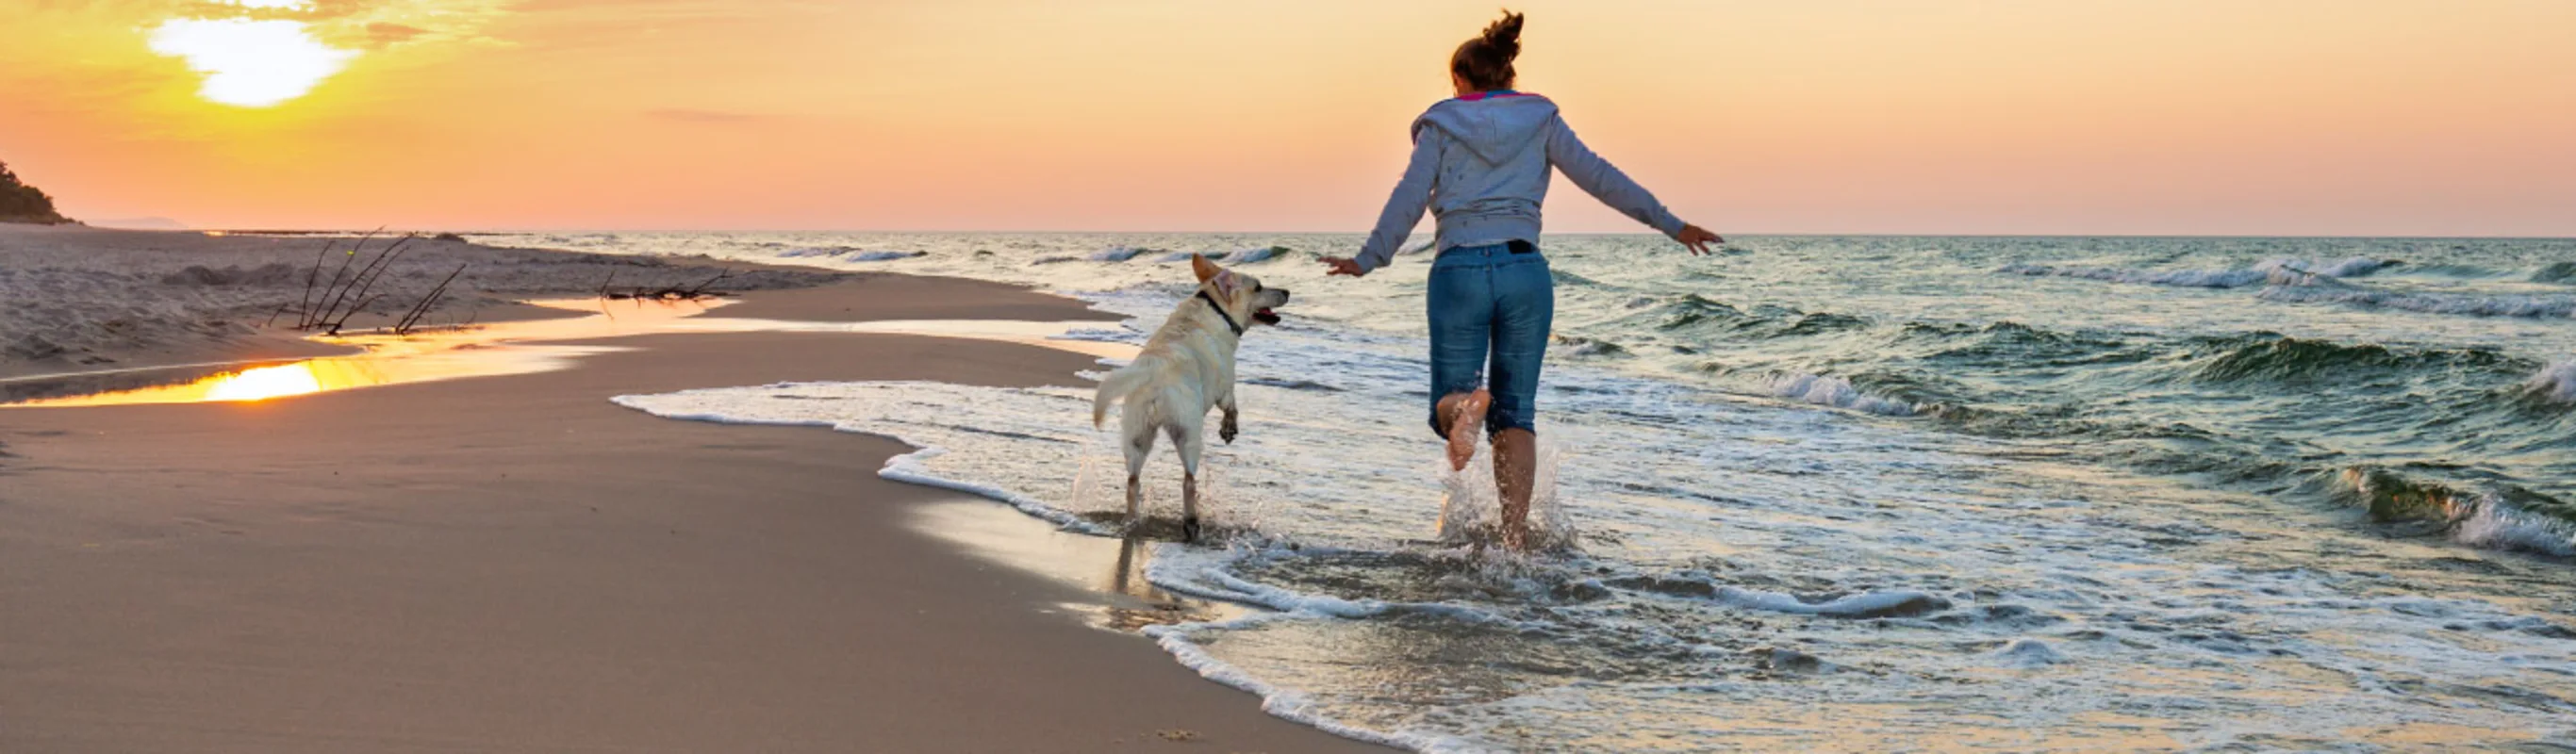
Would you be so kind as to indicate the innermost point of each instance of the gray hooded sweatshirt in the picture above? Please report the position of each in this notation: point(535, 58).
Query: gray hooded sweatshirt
point(1481, 166)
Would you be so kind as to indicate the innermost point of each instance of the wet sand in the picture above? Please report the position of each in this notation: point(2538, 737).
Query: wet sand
point(515, 564)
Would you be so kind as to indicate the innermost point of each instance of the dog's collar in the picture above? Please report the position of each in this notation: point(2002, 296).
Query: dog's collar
point(1220, 312)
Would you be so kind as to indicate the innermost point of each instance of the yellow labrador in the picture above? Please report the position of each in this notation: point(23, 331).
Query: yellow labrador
point(1185, 369)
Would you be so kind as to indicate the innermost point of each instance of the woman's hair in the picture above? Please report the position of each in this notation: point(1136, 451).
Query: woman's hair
point(1486, 61)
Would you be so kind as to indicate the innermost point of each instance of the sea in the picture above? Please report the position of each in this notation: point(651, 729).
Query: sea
point(1832, 493)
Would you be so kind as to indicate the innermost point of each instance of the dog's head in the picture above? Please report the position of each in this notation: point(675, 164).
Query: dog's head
point(1242, 296)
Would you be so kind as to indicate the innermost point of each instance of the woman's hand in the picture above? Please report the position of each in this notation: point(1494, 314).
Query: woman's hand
point(1343, 266)
point(1695, 237)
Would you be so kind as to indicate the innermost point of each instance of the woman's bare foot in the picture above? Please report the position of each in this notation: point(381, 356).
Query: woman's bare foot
point(1466, 420)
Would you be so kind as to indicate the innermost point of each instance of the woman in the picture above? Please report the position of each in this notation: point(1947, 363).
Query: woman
point(1480, 163)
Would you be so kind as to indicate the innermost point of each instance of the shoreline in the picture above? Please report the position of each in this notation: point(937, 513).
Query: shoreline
point(516, 563)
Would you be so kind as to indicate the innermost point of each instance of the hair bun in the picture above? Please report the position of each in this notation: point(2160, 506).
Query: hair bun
point(1505, 34)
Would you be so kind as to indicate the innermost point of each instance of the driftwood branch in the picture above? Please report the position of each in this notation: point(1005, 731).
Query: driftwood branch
point(670, 293)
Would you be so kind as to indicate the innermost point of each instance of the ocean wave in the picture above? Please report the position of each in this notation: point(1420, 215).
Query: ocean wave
point(2016, 346)
point(2272, 272)
point(1184, 256)
point(1118, 254)
point(1836, 392)
point(2562, 272)
point(2271, 356)
point(1692, 309)
point(1589, 347)
point(2555, 382)
point(2501, 517)
point(1263, 254)
point(1694, 312)
point(2430, 303)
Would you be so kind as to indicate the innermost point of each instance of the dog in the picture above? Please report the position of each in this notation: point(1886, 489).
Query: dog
point(1186, 368)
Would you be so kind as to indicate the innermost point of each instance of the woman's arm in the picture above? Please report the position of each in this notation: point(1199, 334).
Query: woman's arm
point(1603, 181)
point(1404, 208)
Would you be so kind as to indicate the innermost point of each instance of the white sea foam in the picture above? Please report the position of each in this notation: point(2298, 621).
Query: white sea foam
point(1836, 392)
point(2029, 653)
point(2556, 382)
point(1865, 605)
point(1117, 254)
point(1285, 703)
point(2494, 525)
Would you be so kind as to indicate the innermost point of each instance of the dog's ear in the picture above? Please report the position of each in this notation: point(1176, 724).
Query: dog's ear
point(1226, 283)
point(1199, 264)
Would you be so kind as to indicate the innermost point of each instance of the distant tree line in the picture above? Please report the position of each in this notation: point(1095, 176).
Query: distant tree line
point(21, 203)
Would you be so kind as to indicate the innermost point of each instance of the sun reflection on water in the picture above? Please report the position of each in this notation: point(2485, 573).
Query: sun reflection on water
point(264, 383)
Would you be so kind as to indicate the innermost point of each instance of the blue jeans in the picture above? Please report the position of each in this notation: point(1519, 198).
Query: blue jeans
point(1486, 300)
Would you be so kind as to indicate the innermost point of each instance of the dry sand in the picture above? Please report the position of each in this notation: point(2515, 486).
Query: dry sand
point(514, 564)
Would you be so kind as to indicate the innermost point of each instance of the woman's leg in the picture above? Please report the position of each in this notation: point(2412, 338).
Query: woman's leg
point(1525, 298)
point(1460, 304)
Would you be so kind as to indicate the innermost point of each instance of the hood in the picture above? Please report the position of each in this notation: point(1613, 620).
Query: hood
point(1495, 128)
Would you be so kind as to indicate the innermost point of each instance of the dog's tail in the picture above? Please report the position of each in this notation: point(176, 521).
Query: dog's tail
point(1116, 387)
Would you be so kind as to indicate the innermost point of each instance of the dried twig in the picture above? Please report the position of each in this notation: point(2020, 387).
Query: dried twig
point(313, 318)
point(421, 309)
point(384, 262)
point(311, 276)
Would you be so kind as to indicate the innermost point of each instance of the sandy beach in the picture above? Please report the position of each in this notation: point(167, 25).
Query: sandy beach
point(515, 564)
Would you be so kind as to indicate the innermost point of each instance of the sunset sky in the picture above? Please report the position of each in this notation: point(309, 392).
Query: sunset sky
point(2278, 117)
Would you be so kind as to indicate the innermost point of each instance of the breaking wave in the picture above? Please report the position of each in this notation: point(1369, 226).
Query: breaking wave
point(2500, 518)
point(2555, 382)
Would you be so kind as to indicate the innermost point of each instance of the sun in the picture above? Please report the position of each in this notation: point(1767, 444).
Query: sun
point(250, 62)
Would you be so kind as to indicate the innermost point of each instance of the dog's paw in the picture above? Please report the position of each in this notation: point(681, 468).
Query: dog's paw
point(1190, 529)
point(1226, 430)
